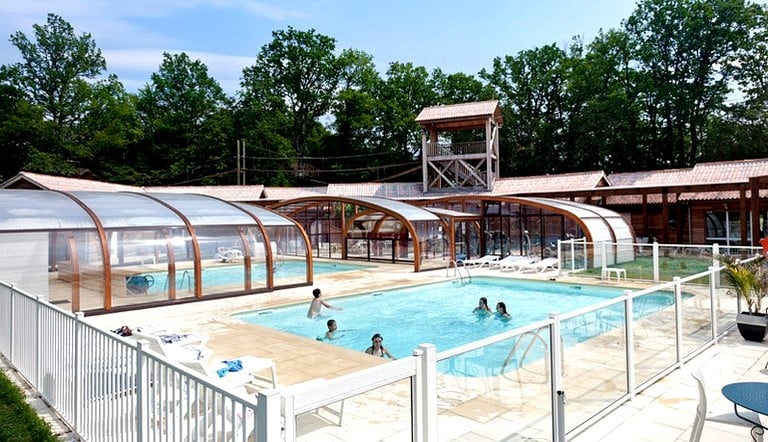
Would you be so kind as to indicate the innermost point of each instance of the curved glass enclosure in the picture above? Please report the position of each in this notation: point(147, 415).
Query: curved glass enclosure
point(533, 226)
point(105, 251)
point(370, 228)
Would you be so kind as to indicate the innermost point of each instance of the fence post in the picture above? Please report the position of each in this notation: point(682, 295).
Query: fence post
point(38, 343)
point(716, 264)
point(629, 333)
point(558, 413)
point(268, 416)
point(425, 394)
point(712, 303)
point(679, 319)
point(78, 376)
point(11, 334)
point(655, 261)
point(142, 430)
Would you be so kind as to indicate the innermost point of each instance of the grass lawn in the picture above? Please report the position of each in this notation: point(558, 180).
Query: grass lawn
point(669, 267)
point(18, 421)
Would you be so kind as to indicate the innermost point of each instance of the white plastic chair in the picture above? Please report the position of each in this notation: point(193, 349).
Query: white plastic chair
point(703, 413)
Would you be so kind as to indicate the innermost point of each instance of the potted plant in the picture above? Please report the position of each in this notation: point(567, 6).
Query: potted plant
point(750, 282)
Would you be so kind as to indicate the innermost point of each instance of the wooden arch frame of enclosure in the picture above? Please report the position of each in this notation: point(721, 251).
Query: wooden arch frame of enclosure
point(361, 207)
point(539, 203)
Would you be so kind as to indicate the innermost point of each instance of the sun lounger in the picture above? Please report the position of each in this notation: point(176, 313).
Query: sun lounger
point(509, 262)
point(541, 266)
point(480, 262)
point(234, 372)
point(227, 254)
point(173, 344)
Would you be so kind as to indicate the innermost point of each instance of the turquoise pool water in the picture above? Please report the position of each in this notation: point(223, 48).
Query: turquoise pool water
point(233, 274)
point(441, 314)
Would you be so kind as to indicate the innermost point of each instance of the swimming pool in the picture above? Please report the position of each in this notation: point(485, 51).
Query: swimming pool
point(234, 274)
point(439, 313)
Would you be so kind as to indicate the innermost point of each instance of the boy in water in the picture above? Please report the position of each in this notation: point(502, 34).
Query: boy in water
point(331, 333)
point(317, 304)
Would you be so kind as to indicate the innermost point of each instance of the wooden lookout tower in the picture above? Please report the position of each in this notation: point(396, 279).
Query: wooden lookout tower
point(460, 145)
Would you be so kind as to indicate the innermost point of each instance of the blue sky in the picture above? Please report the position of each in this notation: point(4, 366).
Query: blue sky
point(226, 35)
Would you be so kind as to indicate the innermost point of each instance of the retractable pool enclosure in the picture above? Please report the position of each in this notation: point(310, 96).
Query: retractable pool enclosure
point(107, 251)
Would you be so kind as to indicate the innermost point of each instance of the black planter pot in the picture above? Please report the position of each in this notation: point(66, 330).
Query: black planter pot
point(752, 327)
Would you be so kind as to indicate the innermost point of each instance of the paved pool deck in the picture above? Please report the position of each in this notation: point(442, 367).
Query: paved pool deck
point(663, 412)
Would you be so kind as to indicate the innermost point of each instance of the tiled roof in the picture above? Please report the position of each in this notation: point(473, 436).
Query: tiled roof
point(50, 182)
point(384, 190)
point(454, 111)
point(226, 193)
point(284, 193)
point(703, 173)
point(550, 183)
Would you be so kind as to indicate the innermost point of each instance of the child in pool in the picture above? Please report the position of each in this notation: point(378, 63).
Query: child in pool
point(482, 306)
point(501, 311)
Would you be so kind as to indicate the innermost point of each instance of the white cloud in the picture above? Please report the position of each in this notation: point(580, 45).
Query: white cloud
point(128, 63)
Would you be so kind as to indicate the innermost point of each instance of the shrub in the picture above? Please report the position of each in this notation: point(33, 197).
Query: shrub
point(18, 421)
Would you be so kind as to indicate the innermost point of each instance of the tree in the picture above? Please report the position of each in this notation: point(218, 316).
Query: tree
point(187, 121)
point(603, 123)
point(686, 52)
point(114, 134)
point(406, 90)
point(352, 143)
point(55, 76)
point(300, 68)
point(55, 69)
point(531, 89)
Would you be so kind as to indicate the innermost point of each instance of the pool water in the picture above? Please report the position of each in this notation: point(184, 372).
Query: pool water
point(234, 274)
point(440, 314)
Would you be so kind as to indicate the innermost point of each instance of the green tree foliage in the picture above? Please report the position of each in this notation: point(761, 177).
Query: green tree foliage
point(299, 67)
point(685, 50)
point(531, 87)
point(351, 147)
point(405, 91)
point(188, 122)
point(681, 81)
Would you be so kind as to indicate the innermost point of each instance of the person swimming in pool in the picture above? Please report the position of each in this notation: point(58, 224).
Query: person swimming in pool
point(332, 328)
point(482, 306)
point(501, 311)
point(317, 304)
point(377, 349)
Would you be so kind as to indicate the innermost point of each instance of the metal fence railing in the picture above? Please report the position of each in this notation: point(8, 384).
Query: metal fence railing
point(109, 388)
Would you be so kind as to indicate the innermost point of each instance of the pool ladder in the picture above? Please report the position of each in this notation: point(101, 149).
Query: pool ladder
point(185, 276)
point(535, 336)
point(457, 271)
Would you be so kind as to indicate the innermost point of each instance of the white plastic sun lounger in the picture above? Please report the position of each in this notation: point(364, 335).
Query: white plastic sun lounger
point(480, 262)
point(511, 262)
point(541, 266)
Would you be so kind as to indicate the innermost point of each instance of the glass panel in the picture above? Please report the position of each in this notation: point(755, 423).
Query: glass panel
point(91, 266)
point(594, 362)
point(391, 421)
point(222, 251)
point(498, 392)
point(205, 211)
point(41, 210)
point(697, 316)
point(654, 328)
point(121, 209)
point(290, 254)
point(267, 217)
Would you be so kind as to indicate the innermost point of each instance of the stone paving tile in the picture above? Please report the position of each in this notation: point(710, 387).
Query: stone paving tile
point(664, 411)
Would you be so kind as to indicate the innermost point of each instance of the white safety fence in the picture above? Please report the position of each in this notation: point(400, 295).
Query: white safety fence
point(111, 389)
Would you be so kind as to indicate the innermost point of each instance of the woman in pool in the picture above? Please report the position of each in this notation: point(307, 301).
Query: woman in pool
point(377, 349)
point(501, 311)
point(482, 307)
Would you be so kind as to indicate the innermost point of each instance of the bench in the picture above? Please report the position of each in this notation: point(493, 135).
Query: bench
point(608, 271)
